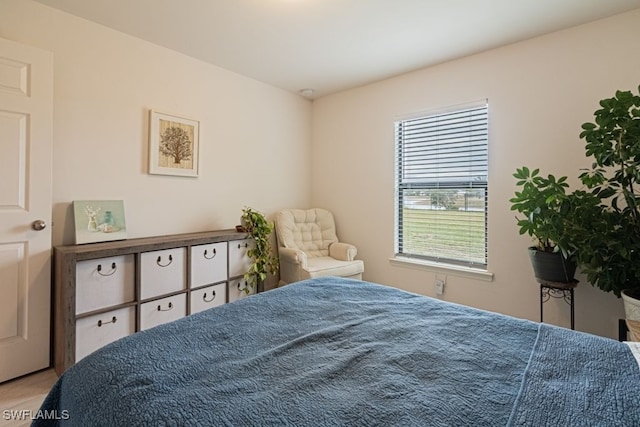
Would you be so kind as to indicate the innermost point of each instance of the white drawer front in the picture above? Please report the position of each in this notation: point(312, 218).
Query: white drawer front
point(212, 296)
point(237, 289)
point(162, 272)
point(208, 264)
point(104, 282)
point(161, 311)
point(239, 261)
point(99, 330)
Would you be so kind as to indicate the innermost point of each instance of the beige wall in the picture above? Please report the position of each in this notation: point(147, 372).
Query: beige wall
point(539, 92)
point(255, 139)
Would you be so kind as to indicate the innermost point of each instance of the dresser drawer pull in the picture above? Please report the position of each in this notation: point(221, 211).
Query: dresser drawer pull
point(114, 319)
point(114, 267)
point(169, 307)
point(213, 296)
point(246, 245)
point(213, 254)
point(244, 287)
point(159, 261)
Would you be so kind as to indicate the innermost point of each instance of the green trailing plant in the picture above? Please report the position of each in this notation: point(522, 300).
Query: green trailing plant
point(263, 259)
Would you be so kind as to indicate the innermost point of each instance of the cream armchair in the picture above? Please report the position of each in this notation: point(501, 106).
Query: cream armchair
point(308, 247)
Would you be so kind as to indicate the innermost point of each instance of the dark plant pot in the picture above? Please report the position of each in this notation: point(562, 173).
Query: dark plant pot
point(552, 266)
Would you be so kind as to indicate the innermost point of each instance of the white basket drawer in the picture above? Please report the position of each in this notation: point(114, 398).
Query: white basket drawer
point(208, 264)
point(162, 272)
point(99, 330)
point(212, 296)
point(104, 282)
point(237, 289)
point(163, 310)
point(239, 261)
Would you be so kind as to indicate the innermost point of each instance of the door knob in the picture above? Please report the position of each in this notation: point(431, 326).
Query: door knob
point(38, 225)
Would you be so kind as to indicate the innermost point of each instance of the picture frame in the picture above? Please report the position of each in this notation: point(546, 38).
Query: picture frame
point(99, 221)
point(174, 144)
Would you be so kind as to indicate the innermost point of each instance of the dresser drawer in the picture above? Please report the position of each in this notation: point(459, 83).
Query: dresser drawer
point(163, 310)
point(237, 289)
point(162, 272)
point(209, 297)
point(239, 261)
point(208, 264)
point(104, 282)
point(99, 330)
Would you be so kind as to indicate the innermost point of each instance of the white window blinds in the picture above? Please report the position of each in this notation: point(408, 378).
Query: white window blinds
point(441, 186)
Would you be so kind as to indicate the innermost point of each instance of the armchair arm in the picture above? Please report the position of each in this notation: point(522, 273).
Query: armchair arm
point(343, 251)
point(293, 256)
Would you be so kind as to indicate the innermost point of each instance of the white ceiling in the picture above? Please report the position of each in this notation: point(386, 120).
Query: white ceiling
point(332, 45)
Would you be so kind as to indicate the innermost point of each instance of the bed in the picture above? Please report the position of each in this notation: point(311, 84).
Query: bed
point(341, 352)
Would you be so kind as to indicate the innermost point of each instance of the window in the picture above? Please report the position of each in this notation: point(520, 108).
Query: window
point(441, 186)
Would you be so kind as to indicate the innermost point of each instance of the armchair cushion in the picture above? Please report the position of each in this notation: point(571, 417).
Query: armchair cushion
point(311, 231)
point(327, 266)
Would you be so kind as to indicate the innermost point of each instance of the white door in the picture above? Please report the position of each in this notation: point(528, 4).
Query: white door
point(26, 104)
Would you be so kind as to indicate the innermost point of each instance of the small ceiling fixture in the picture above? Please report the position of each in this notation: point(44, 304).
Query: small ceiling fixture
point(307, 93)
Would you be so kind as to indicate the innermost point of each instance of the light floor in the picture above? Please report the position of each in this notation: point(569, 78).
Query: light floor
point(25, 393)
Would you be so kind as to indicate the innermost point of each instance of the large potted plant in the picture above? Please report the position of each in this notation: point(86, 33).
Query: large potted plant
point(608, 232)
point(263, 259)
point(599, 224)
point(545, 210)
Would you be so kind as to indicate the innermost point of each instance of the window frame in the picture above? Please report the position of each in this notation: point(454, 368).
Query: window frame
point(435, 183)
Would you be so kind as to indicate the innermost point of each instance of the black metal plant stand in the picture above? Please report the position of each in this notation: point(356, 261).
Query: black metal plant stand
point(564, 290)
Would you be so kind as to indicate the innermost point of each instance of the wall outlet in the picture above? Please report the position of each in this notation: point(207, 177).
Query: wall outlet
point(438, 286)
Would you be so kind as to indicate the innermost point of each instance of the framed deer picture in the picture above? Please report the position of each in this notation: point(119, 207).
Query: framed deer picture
point(99, 221)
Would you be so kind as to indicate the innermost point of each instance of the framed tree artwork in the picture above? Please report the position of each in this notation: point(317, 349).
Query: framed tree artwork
point(173, 145)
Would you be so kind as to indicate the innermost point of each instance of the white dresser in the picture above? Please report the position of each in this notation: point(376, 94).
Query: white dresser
point(106, 291)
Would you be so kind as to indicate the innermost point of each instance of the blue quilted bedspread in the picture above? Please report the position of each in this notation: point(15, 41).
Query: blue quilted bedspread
point(336, 352)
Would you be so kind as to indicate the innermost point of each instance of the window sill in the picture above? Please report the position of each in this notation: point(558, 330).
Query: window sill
point(437, 267)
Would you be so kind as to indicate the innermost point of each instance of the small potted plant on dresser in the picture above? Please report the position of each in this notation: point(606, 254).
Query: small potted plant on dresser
point(263, 259)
